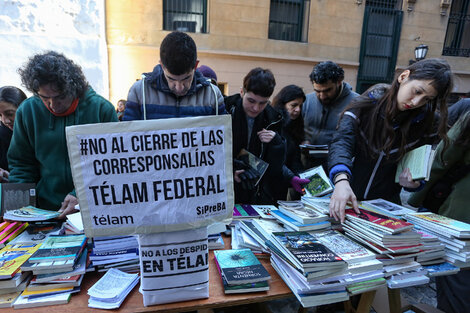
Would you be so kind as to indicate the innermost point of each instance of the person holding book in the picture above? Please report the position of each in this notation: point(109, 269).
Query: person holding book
point(10, 99)
point(322, 108)
point(451, 169)
point(379, 127)
point(256, 128)
point(38, 152)
point(289, 102)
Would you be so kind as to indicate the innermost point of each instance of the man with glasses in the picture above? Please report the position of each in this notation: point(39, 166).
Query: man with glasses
point(38, 150)
point(174, 88)
point(256, 128)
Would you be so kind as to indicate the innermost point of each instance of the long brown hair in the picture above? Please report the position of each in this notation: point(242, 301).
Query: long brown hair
point(377, 115)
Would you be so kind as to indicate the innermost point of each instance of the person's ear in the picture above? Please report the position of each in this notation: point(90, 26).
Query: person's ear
point(242, 93)
point(403, 77)
point(197, 63)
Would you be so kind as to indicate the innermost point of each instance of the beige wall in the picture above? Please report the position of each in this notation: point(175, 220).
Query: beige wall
point(237, 40)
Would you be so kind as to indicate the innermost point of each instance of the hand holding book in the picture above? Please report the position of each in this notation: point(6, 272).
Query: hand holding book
point(298, 183)
point(406, 180)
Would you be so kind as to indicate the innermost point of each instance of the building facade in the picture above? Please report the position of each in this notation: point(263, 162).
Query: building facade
point(369, 39)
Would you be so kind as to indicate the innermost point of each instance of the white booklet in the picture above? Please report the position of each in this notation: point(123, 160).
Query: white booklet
point(111, 289)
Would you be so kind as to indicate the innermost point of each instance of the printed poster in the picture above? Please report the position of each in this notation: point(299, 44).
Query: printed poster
point(152, 176)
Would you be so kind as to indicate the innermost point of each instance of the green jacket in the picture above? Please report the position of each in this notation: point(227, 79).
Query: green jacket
point(38, 150)
point(456, 205)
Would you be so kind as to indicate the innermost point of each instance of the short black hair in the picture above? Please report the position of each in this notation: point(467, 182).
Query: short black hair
point(12, 95)
point(178, 53)
point(259, 81)
point(54, 68)
point(326, 71)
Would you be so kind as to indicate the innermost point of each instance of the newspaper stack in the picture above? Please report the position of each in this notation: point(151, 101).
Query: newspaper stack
point(110, 291)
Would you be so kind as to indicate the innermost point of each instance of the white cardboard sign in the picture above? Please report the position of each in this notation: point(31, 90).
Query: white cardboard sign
point(152, 176)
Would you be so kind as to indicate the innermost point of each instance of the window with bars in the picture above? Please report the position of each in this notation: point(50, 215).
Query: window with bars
point(185, 15)
point(386, 4)
point(288, 20)
point(457, 41)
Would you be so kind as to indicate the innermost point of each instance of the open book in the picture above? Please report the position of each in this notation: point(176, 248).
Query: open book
point(256, 163)
point(419, 162)
point(319, 184)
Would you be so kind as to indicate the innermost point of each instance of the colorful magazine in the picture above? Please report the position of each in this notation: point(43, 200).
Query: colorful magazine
point(13, 256)
point(386, 223)
point(319, 182)
point(30, 213)
point(59, 248)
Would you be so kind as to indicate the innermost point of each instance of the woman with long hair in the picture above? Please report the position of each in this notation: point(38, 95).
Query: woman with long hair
point(289, 102)
point(10, 99)
point(380, 126)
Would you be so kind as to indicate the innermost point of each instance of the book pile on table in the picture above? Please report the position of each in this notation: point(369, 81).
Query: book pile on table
point(57, 258)
point(243, 211)
point(12, 280)
point(241, 271)
point(309, 268)
point(364, 271)
point(321, 205)
point(393, 239)
point(37, 232)
point(120, 252)
point(433, 250)
point(110, 290)
point(10, 230)
point(30, 213)
point(455, 235)
point(386, 208)
point(299, 217)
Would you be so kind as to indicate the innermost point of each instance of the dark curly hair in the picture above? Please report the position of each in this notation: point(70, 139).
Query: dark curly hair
point(178, 53)
point(53, 68)
point(326, 71)
point(259, 81)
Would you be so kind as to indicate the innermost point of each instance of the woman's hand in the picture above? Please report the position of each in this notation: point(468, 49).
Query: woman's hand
point(341, 196)
point(68, 206)
point(405, 180)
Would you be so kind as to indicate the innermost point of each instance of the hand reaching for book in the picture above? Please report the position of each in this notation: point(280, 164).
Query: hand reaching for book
point(405, 180)
point(341, 196)
point(297, 183)
point(68, 206)
point(248, 178)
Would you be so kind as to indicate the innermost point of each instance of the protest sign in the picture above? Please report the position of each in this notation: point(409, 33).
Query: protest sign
point(174, 266)
point(152, 176)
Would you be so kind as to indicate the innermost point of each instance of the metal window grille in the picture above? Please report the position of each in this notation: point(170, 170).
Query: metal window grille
point(288, 20)
point(457, 41)
point(386, 4)
point(185, 15)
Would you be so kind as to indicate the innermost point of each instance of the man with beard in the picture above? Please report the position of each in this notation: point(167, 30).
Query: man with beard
point(322, 108)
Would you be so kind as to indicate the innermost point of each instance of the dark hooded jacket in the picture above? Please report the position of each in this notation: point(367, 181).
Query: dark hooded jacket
point(268, 190)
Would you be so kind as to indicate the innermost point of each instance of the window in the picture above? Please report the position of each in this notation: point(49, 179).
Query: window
point(386, 4)
point(185, 15)
point(457, 41)
point(288, 20)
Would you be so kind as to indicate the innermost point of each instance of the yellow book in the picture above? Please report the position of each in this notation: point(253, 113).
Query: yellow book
point(4, 225)
point(13, 256)
point(28, 293)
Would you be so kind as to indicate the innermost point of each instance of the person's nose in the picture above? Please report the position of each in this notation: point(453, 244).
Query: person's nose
point(179, 86)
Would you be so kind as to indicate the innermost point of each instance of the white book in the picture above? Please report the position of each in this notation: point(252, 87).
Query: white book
point(386, 207)
point(264, 210)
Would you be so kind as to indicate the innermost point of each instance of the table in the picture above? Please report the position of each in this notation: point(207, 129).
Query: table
point(217, 298)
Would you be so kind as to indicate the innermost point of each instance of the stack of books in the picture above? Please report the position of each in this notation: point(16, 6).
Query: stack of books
point(120, 252)
point(386, 208)
point(299, 217)
point(12, 280)
point(241, 271)
point(310, 269)
point(455, 235)
point(321, 205)
point(393, 239)
point(433, 250)
point(364, 272)
point(10, 230)
point(110, 291)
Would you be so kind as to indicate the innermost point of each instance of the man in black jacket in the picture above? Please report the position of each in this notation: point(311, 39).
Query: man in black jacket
point(256, 128)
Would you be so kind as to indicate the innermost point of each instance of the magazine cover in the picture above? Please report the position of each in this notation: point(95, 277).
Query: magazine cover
point(319, 182)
